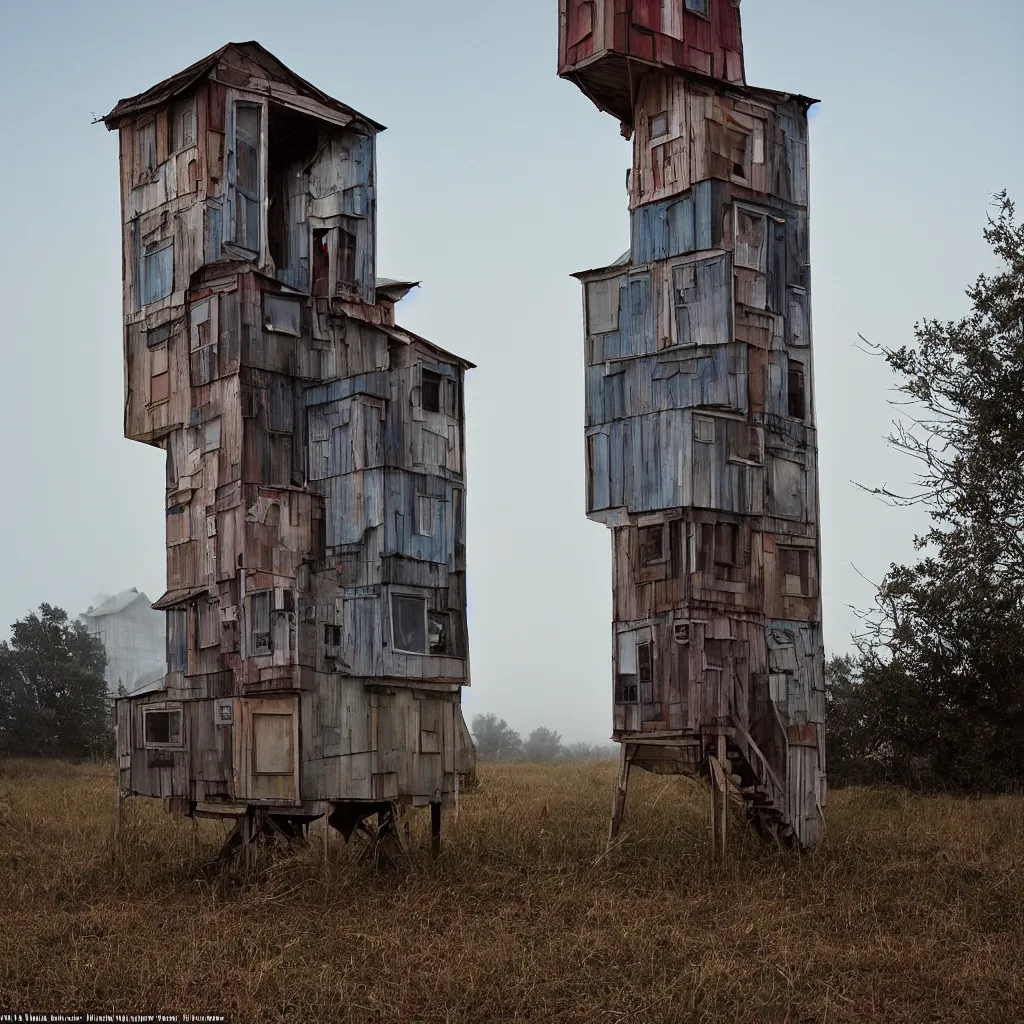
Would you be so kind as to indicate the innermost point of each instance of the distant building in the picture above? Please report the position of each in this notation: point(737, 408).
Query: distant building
point(134, 636)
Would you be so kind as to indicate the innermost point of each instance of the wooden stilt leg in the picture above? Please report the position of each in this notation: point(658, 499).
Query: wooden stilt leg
point(246, 829)
point(723, 798)
point(621, 790)
point(435, 829)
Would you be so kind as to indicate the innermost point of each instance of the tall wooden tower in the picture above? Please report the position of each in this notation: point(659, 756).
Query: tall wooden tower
point(316, 618)
point(700, 425)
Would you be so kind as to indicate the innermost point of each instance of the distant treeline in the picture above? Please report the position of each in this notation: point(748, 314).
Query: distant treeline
point(496, 740)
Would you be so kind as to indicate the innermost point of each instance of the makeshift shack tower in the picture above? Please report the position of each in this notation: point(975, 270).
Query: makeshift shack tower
point(316, 616)
point(700, 428)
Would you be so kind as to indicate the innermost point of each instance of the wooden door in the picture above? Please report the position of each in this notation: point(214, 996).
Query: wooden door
point(267, 750)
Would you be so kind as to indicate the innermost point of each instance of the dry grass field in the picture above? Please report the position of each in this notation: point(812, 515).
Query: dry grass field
point(912, 911)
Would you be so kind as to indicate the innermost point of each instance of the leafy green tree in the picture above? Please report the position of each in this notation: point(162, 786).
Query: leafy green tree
point(52, 691)
point(495, 739)
point(942, 666)
point(543, 745)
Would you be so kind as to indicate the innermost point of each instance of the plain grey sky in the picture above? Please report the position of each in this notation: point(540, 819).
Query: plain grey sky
point(497, 181)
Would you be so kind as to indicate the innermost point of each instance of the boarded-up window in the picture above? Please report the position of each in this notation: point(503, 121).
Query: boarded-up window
point(797, 391)
point(727, 537)
point(437, 632)
point(786, 488)
point(799, 328)
point(281, 412)
point(428, 514)
point(409, 623)
point(746, 443)
point(177, 639)
point(147, 148)
point(260, 637)
point(161, 728)
point(704, 429)
point(282, 314)
point(209, 436)
point(653, 549)
point(684, 291)
point(598, 482)
point(603, 306)
point(183, 124)
point(159, 376)
point(209, 622)
point(795, 567)
point(751, 240)
point(273, 745)
point(247, 176)
point(156, 271)
point(203, 340)
point(177, 524)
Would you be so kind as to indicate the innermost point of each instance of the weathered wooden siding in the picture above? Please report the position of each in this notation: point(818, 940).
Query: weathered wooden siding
point(315, 454)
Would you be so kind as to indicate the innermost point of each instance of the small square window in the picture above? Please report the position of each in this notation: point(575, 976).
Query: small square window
point(161, 728)
point(332, 636)
point(282, 314)
point(659, 125)
point(409, 623)
point(157, 271)
point(701, 7)
point(430, 391)
point(652, 544)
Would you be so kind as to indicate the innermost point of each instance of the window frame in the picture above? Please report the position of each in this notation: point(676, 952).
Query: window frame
point(405, 595)
point(146, 252)
point(178, 108)
point(663, 546)
point(145, 172)
point(446, 634)
point(433, 377)
point(666, 114)
point(704, 13)
point(251, 633)
point(251, 194)
point(803, 574)
point(798, 369)
point(149, 744)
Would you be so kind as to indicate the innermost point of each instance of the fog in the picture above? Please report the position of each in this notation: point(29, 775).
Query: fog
point(496, 182)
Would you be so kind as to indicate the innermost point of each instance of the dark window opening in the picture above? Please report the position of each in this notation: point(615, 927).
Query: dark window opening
point(162, 728)
point(332, 636)
point(652, 544)
point(437, 632)
point(726, 543)
point(430, 398)
point(321, 263)
point(346, 256)
point(409, 623)
point(177, 639)
point(260, 607)
point(292, 143)
point(644, 663)
point(626, 689)
point(738, 153)
point(797, 391)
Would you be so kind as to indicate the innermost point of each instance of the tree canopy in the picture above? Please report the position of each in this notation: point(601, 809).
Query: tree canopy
point(940, 694)
point(52, 691)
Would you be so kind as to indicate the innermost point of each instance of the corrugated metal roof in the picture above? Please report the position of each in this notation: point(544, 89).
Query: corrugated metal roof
point(184, 80)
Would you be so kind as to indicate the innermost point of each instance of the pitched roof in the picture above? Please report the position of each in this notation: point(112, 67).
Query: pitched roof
point(183, 81)
point(116, 604)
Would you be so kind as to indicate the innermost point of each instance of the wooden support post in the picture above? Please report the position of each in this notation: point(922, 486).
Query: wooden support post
point(621, 789)
point(245, 826)
point(719, 793)
point(435, 829)
point(723, 797)
point(118, 823)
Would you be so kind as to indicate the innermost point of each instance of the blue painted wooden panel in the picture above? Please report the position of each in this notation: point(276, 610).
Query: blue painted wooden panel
point(673, 226)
